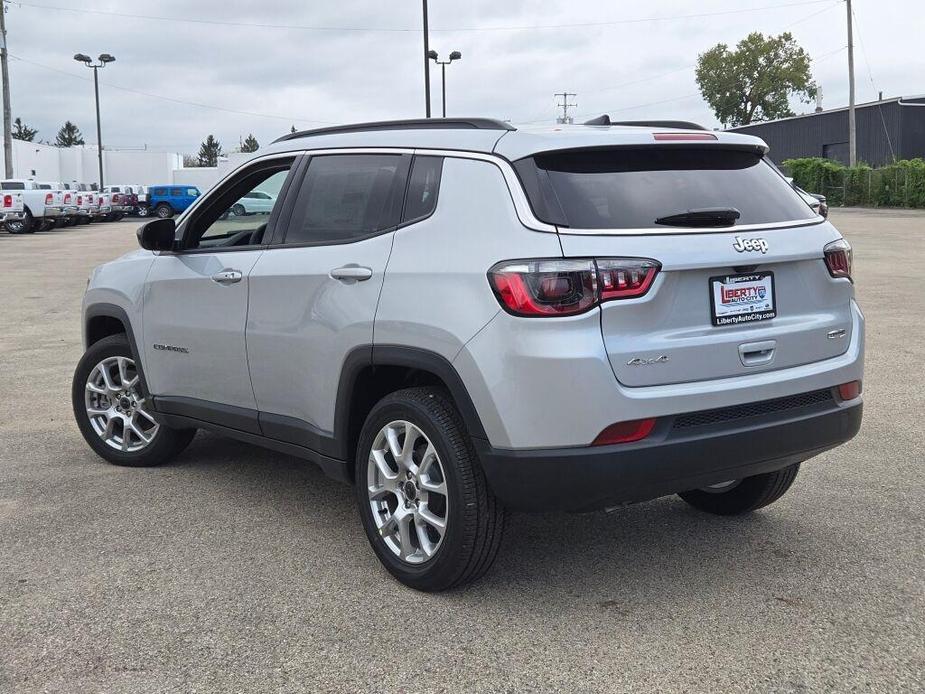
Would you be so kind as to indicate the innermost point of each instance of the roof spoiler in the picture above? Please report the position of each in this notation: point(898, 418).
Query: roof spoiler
point(680, 124)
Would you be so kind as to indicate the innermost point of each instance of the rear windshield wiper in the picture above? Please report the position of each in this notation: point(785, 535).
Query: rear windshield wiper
point(703, 217)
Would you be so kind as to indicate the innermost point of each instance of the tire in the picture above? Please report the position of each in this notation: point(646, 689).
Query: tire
point(746, 495)
point(163, 210)
point(473, 519)
point(45, 225)
point(164, 443)
point(238, 210)
point(143, 211)
point(23, 226)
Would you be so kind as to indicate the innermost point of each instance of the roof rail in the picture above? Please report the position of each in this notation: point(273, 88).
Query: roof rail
point(682, 124)
point(409, 124)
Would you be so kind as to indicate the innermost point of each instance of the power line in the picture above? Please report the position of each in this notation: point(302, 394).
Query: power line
point(870, 74)
point(295, 119)
point(301, 27)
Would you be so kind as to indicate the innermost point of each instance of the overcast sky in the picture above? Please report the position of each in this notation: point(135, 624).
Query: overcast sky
point(366, 64)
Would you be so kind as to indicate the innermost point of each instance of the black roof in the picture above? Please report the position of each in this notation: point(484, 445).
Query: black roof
point(408, 124)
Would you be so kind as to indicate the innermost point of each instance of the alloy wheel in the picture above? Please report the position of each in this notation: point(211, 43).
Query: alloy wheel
point(116, 408)
point(407, 491)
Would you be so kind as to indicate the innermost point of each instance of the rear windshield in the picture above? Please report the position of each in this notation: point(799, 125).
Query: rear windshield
point(13, 185)
point(629, 188)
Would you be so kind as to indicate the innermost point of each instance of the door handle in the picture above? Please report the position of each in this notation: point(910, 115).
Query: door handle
point(351, 273)
point(227, 276)
point(757, 353)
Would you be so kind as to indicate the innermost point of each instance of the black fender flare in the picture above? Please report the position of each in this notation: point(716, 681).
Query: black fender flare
point(106, 310)
point(364, 356)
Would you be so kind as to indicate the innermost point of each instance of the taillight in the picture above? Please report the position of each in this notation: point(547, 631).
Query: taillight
point(80, 200)
point(115, 197)
point(838, 258)
point(567, 287)
point(850, 390)
point(49, 199)
point(7, 200)
point(625, 432)
point(67, 198)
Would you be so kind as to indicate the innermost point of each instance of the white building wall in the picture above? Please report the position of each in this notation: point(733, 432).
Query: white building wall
point(49, 163)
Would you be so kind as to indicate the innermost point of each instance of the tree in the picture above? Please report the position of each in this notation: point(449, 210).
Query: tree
point(756, 80)
point(250, 144)
point(209, 151)
point(21, 131)
point(69, 135)
point(190, 161)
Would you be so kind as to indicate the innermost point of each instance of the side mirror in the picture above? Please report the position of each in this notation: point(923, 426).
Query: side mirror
point(157, 235)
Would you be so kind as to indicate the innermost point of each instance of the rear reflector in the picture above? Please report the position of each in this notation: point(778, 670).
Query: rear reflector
point(625, 432)
point(682, 137)
point(849, 391)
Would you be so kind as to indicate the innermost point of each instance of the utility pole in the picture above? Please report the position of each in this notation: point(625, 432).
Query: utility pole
point(852, 124)
point(426, 65)
point(565, 118)
point(7, 111)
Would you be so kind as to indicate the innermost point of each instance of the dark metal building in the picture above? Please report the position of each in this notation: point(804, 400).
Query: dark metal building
point(886, 130)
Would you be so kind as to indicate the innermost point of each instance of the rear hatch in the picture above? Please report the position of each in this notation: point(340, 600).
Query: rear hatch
point(743, 285)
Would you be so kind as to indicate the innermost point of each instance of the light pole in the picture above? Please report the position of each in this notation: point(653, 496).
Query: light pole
point(88, 61)
point(433, 55)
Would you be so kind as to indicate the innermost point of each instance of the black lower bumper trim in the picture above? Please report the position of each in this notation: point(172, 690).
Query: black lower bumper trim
point(591, 478)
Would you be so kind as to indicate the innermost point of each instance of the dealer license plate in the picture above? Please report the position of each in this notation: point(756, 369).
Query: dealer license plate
point(746, 298)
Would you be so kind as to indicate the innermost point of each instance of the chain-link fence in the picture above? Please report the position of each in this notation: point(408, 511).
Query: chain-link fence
point(901, 184)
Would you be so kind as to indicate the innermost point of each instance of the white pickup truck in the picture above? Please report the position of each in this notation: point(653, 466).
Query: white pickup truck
point(83, 196)
point(42, 205)
point(12, 208)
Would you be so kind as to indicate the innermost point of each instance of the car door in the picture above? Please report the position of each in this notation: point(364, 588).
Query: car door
point(313, 294)
point(196, 302)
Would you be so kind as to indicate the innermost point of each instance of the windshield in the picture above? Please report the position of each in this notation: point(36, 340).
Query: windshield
point(631, 188)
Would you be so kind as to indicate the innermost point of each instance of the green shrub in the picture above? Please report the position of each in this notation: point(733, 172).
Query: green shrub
point(900, 184)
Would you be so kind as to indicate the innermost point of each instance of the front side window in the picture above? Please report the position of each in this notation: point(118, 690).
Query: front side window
point(346, 197)
point(176, 192)
point(227, 220)
point(192, 192)
point(631, 188)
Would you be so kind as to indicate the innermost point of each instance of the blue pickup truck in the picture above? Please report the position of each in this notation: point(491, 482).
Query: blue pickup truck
point(166, 201)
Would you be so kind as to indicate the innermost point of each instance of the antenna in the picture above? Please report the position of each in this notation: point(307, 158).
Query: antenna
point(565, 118)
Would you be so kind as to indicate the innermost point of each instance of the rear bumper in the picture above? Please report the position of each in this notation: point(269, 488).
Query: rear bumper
point(671, 460)
point(13, 216)
point(53, 211)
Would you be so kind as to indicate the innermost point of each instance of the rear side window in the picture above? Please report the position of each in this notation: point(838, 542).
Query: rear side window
point(160, 191)
point(423, 185)
point(346, 197)
point(629, 188)
point(12, 185)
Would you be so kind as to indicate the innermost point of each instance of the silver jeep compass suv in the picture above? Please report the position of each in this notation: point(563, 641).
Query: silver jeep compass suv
point(459, 317)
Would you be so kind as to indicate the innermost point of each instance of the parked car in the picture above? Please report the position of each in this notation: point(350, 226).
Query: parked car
point(63, 200)
point(814, 200)
point(167, 201)
point(76, 195)
point(12, 208)
point(142, 209)
point(459, 317)
point(41, 206)
point(104, 203)
point(254, 202)
point(123, 202)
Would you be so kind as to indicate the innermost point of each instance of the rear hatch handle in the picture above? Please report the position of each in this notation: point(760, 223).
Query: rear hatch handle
point(757, 353)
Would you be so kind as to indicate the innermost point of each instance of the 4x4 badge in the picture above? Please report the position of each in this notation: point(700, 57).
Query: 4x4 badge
point(745, 245)
point(639, 361)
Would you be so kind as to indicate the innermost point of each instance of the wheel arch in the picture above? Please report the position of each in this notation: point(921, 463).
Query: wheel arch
point(103, 320)
point(369, 373)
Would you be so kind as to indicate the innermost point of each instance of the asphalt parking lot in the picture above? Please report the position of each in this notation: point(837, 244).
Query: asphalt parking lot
point(240, 570)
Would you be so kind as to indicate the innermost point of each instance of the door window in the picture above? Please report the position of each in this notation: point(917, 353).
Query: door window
point(224, 221)
point(347, 197)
